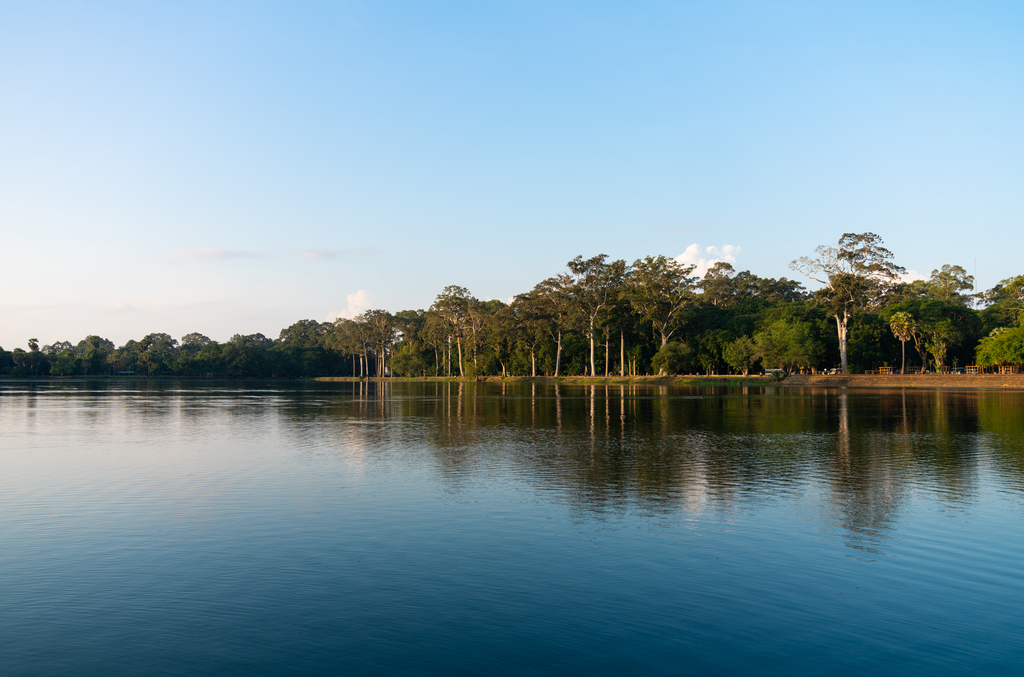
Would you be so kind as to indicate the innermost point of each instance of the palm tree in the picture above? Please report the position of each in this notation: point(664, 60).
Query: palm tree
point(903, 328)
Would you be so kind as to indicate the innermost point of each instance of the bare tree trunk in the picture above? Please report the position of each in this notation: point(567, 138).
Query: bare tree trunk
point(664, 342)
point(593, 364)
point(462, 371)
point(476, 367)
point(842, 324)
point(622, 354)
point(606, 361)
point(558, 354)
point(533, 361)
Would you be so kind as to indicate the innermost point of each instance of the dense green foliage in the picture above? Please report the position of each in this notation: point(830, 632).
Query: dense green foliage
point(604, 317)
point(1004, 345)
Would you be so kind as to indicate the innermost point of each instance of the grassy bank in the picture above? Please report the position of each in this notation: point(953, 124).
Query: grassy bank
point(940, 381)
point(578, 380)
point(935, 381)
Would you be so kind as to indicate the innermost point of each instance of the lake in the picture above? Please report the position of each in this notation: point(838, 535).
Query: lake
point(294, 528)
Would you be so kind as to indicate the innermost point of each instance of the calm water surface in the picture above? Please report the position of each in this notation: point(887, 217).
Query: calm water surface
point(267, 528)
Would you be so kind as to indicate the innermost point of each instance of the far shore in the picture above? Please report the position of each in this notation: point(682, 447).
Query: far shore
point(921, 381)
point(585, 380)
point(929, 381)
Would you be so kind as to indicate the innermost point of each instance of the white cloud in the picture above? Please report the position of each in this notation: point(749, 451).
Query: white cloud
point(912, 275)
point(704, 258)
point(210, 253)
point(357, 303)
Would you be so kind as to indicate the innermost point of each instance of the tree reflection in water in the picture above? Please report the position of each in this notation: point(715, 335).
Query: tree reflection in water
point(611, 448)
point(606, 449)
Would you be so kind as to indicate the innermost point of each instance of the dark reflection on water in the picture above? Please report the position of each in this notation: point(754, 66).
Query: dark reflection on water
point(477, 528)
point(617, 447)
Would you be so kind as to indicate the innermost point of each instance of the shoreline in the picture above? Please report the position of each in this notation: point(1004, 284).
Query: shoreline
point(570, 380)
point(873, 381)
point(928, 381)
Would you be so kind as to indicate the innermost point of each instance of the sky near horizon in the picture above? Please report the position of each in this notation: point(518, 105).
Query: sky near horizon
point(234, 167)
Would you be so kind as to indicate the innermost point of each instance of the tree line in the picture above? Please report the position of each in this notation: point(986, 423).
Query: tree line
point(603, 317)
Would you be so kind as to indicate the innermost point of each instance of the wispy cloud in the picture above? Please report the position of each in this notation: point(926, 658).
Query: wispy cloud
point(357, 303)
point(705, 257)
point(313, 254)
point(210, 253)
point(316, 254)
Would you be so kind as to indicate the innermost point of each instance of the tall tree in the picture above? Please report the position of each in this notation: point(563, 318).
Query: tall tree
point(718, 286)
point(452, 308)
point(950, 283)
point(380, 336)
point(902, 325)
point(659, 289)
point(855, 275)
point(33, 347)
point(480, 326)
point(195, 339)
point(504, 329)
point(556, 295)
point(531, 323)
point(596, 284)
point(57, 347)
point(435, 335)
point(1006, 301)
point(305, 333)
point(157, 350)
point(346, 339)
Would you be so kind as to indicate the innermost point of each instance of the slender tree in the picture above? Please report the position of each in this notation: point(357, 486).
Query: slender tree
point(452, 308)
point(380, 325)
point(555, 293)
point(902, 325)
point(531, 322)
point(596, 283)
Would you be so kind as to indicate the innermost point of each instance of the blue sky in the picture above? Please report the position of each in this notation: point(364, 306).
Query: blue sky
point(233, 167)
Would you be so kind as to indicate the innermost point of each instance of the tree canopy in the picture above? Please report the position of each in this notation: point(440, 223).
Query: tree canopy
point(602, 316)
